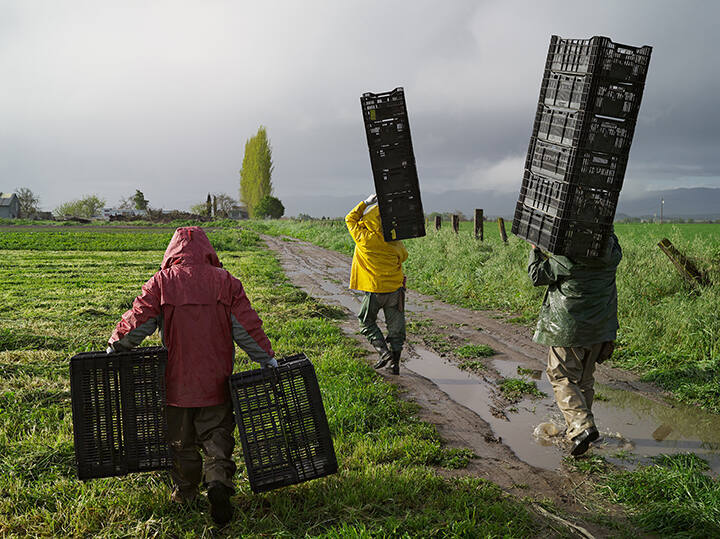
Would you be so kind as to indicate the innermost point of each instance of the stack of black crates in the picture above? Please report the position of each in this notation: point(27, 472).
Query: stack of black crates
point(588, 106)
point(393, 164)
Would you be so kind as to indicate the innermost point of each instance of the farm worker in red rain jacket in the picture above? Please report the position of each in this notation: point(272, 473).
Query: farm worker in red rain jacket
point(377, 271)
point(199, 309)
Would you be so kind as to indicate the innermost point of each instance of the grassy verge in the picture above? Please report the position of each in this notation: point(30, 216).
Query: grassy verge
point(54, 303)
point(672, 497)
point(669, 332)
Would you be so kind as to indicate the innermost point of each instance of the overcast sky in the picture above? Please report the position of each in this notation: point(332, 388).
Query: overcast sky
point(108, 97)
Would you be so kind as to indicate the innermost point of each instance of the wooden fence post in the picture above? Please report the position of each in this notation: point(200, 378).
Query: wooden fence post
point(686, 268)
point(479, 224)
point(438, 222)
point(501, 226)
point(455, 223)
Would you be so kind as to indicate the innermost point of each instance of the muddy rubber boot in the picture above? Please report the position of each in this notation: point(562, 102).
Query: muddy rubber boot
point(221, 509)
point(394, 367)
point(581, 442)
point(382, 349)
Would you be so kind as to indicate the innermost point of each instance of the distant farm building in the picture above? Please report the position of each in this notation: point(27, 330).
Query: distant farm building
point(107, 213)
point(9, 206)
point(238, 212)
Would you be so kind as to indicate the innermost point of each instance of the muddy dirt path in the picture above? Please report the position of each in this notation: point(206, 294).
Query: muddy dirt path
point(468, 408)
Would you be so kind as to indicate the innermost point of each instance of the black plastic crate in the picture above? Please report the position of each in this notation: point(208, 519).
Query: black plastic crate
point(393, 164)
point(396, 180)
point(384, 106)
point(560, 236)
point(391, 156)
point(576, 165)
point(118, 407)
point(600, 56)
point(402, 215)
point(568, 201)
point(283, 428)
point(591, 94)
point(582, 129)
point(388, 132)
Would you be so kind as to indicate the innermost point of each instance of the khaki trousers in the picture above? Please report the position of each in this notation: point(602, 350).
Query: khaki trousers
point(393, 306)
point(570, 371)
point(210, 428)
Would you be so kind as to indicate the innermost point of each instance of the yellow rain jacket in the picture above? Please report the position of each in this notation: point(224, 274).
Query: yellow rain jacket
point(377, 264)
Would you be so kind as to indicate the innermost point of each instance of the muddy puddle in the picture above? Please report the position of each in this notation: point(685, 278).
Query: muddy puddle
point(633, 427)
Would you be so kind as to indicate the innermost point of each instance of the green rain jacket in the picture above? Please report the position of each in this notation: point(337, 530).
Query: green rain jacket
point(580, 305)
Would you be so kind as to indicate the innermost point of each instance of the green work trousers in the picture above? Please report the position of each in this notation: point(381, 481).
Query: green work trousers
point(393, 305)
point(209, 428)
point(570, 371)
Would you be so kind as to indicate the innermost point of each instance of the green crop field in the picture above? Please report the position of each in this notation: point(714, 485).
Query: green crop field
point(669, 331)
point(62, 293)
point(57, 302)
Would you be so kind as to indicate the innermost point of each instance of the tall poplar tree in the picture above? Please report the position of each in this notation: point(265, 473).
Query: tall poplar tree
point(256, 171)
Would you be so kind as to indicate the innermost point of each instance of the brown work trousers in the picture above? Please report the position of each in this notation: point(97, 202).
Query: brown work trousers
point(210, 428)
point(570, 371)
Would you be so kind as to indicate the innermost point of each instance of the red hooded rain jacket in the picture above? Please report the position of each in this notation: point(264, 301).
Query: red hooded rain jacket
point(200, 309)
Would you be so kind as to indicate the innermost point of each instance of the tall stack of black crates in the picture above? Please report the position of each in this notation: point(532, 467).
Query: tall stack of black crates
point(589, 102)
point(393, 164)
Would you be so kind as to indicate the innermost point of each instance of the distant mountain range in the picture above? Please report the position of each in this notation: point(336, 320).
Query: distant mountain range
point(695, 203)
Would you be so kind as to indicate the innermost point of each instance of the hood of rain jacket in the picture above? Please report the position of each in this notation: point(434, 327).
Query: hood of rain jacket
point(377, 264)
point(196, 304)
point(580, 305)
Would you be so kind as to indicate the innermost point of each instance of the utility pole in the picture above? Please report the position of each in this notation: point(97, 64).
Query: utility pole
point(662, 205)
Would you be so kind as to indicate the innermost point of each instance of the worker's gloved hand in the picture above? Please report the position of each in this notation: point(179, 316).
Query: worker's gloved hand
point(372, 199)
point(272, 362)
point(110, 350)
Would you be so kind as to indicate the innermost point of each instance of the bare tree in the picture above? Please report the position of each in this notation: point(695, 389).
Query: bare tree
point(29, 201)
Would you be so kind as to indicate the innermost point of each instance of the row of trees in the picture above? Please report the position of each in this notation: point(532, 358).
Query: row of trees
point(86, 207)
point(217, 205)
point(256, 191)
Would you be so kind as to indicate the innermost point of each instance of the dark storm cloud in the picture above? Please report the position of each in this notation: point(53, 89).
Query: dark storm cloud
point(161, 96)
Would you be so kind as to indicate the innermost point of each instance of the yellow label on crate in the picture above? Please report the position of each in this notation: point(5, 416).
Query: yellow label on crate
point(372, 114)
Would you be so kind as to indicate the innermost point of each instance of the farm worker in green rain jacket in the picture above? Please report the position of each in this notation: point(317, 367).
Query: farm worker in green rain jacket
point(377, 271)
point(578, 320)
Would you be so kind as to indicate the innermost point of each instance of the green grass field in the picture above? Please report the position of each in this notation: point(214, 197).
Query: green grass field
point(669, 332)
point(55, 303)
point(63, 294)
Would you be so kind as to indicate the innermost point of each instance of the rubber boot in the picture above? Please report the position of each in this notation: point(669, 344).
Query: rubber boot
point(394, 367)
point(221, 509)
point(382, 349)
point(582, 441)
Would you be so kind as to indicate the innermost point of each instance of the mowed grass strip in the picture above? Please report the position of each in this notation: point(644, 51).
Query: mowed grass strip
point(669, 331)
point(56, 303)
point(89, 238)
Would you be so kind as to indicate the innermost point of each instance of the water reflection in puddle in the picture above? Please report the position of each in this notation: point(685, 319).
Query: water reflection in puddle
point(627, 421)
point(471, 391)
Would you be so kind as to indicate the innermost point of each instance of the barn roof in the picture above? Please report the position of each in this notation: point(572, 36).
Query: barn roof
point(6, 198)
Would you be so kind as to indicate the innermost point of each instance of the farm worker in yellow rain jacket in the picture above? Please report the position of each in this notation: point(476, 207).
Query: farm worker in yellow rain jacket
point(377, 271)
point(578, 320)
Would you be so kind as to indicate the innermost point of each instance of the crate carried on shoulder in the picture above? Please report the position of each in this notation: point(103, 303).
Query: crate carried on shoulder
point(577, 157)
point(393, 164)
